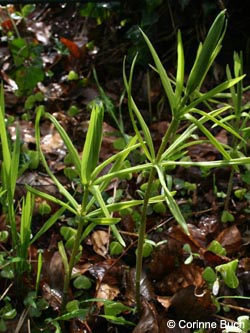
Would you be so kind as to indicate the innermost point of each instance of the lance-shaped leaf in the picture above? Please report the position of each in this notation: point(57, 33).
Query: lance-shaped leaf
point(92, 145)
point(172, 205)
point(162, 73)
point(180, 67)
point(98, 196)
point(207, 51)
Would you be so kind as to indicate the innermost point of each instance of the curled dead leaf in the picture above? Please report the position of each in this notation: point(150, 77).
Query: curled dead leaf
point(100, 241)
point(180, 278)
point(230, 239)
point(107, 292)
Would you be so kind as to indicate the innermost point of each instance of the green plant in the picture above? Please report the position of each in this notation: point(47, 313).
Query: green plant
point(225, 271)
point(184, 102)
point(239, 120)
point(92, 210)
point(242, 325)
point(28, 65)
point(7, 312)
point(9, 171)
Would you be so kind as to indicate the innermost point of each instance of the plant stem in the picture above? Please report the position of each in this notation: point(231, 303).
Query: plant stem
point(229, 190)
point(142, 229)
point(141, 238)
point(75, 247)
point(168, 137)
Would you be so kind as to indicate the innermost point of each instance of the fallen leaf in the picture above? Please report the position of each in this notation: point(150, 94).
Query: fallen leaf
point(148, 322)
point(100, 241)
point(230, 239)
point(105, 291)
point(165, 301)
point(192, 303)
point(180, 278)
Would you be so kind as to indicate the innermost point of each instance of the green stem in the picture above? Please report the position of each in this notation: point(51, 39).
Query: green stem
point(141, 238)
point(229, 190)
point(75, 247)
point(142, 229)
point(168, 137)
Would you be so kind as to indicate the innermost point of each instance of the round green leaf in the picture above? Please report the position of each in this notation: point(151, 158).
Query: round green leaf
point(209, 274)
point(147, 250)
point(115, 249)
point(82, 282)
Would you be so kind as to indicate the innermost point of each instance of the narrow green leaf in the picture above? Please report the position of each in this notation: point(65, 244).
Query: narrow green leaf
point(162, 73)
point(117, 159)
point(209, 164)
point(48, 224)
point(64, 257)
point(3, 133)
point(203, 60)
point(25, 228)
point(95, 190)
point(61, 188)
point(118, 206)
point(92, 145)
point(210, 136)
point(149, 148)
point(67, 141)
point(15, 163)
point(218, 122)
point(80, 313)
point(174, 208)
point(180, 68)
point(121, 173)
point(211, 93)
point(104, 220)
point(145, 130)
point(51, 198)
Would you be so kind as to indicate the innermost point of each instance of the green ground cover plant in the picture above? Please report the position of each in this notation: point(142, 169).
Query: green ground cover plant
point(186, 105)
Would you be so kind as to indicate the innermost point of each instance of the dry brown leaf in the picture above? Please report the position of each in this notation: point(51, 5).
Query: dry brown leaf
point(230, 239)
point(180, 278)
point(149, 319)
point(192, 303)
point(105, 291)
point(100, 241)
point(165, 301)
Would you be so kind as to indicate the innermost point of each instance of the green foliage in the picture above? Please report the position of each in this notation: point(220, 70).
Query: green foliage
point(113, 311)
point(217, 248)
point(9, 170)
point(7, 312)
point(183, 103)
point(87, 216)
point(228, 273)
point(28, 65)
point(115, 248)
point(225, 271)
point(191, 255)
point(82, 282)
